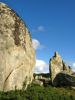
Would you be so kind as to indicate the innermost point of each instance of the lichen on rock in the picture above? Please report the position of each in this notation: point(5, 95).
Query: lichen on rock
point(17, 56)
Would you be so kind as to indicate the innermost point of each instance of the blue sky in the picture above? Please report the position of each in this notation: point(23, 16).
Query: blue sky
point(52, 26)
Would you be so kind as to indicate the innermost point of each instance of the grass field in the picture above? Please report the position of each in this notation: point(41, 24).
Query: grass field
point(36, 92)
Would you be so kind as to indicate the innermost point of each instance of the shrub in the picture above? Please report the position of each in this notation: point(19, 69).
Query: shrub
point(36, 92)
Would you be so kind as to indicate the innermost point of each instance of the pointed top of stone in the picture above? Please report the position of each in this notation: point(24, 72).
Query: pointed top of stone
point(56, 54)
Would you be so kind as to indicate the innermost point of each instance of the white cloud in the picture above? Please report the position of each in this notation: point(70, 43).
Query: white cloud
point(41, 67)
point(36, 44)
point(73, 67)
point(38, 29)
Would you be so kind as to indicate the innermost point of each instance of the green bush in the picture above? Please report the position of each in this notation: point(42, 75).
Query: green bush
point(36, 92)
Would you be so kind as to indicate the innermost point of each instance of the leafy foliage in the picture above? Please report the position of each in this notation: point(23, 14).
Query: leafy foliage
point(36, 92)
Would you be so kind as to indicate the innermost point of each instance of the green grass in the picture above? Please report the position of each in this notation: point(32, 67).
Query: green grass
point(36, 92)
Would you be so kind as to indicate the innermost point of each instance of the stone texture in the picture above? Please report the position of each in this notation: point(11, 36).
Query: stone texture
point(56, 66)
point(64, 79)
point(17, 56)
point(42, 79)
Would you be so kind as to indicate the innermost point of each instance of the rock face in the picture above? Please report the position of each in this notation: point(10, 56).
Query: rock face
point(17, 56)
point(58, 66)
point(64, 79)
point(42, 79)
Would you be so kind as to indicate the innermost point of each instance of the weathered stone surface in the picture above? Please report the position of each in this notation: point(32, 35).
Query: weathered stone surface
point(56, 66)
point(42, 79)
point(17, 56)
point(64, 79)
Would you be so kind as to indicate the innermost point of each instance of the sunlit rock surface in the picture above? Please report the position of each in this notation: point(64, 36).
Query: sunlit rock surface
point(60, 72)
point(17, 56)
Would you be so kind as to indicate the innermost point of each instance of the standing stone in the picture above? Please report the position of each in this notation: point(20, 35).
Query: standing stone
point(17, 56)
point(57, 66)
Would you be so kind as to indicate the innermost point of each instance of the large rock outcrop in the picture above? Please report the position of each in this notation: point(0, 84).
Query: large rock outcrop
point(60, 72)
point(17, 56)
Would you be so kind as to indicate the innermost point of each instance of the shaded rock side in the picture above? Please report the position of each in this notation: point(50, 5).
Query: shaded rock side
point(64, 79)
point(17, 56)
point(57, 65)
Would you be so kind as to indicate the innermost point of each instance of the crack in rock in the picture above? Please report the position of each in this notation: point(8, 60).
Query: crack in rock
point(10, 75)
